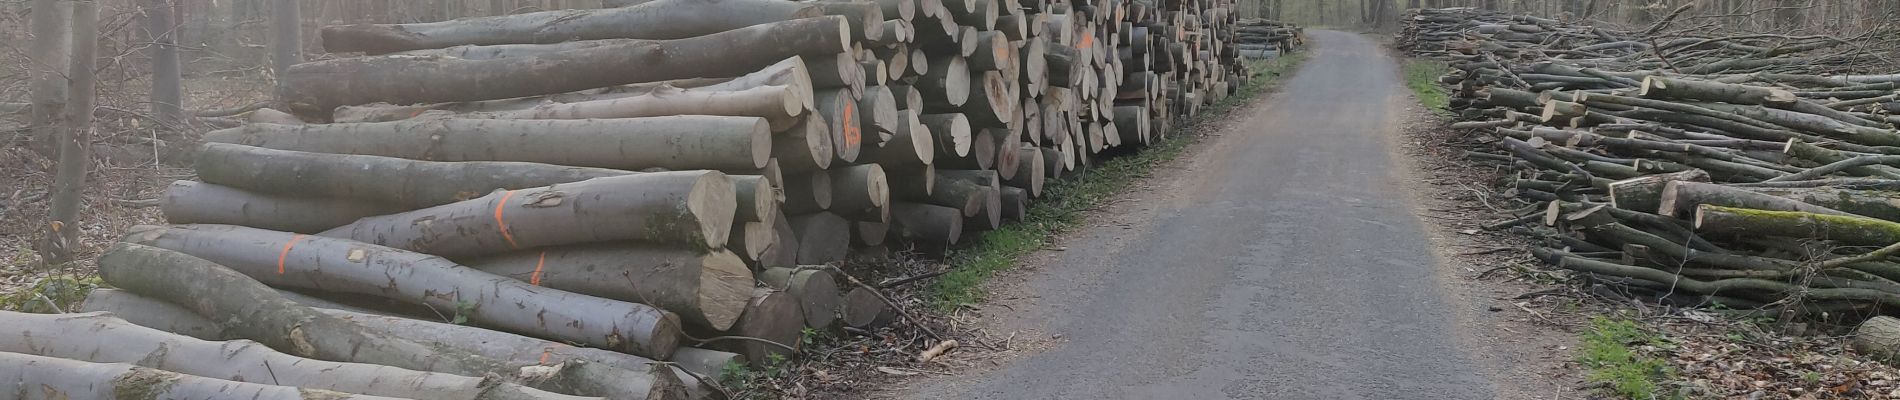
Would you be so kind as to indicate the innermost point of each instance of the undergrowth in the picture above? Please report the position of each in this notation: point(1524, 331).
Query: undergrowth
point(1422, 77)
point(1064, 202)
point(1616, 352)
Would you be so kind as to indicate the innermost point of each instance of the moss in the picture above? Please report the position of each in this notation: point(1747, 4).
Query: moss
point(1065, 202)
point(143, 384)
point(64, 292)
point(677, 228)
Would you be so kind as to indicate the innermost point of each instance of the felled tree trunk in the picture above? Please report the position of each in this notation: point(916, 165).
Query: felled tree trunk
point(1870, 203)
point(316, 88)
point(1681, 198)
point(187, 202)
point(911, 145)
point(771, 315)
point(338, 265)
point(1644, 193)
point(686, 208)
point(840, 113)
point(864, 310)
point(662, 19)
point(708, 289)
point(411, 183)
point(784, 250)
point(815, 289)
point(1029, 171)
point(1015, 203)
point(860, 192)
point(580, 364)
point(1851, 230)
point(791, 73)
point(807, 146)
point(57, 378)
point(676, 142)
point(1878, 337)
point(757, 198)
point(1658, 87)
point(710, 363)
point(932, 227)
point(103, 338)
point(777, 104)
point(823, 237)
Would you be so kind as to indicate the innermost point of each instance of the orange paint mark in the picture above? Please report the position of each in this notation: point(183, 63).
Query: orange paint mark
point(502, 224)
point(285, 253)
point(853, 134)
point(544, 356)
point(535, 279)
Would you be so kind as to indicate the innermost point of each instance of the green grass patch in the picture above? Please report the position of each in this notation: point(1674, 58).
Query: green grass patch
point(55, 294)
point(1613, 352)
point(1422, 77)
point(1064, 202)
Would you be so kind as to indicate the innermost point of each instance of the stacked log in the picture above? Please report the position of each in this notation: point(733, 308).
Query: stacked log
point(1263, 38)
point(1743, 171)
point(661, 181)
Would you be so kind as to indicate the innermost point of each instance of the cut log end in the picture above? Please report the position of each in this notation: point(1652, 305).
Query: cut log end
point(725, 287)
point(712, 204)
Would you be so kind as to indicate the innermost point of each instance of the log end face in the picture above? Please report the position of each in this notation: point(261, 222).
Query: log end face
point(712, 203)
point(761, 143)
point(725, 286)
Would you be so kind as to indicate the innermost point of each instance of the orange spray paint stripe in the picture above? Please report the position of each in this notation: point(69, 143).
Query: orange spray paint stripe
point(281, 255)
point(535, 279)
point(501, 223)
point(1087, 42)
point(544, 356)
point(852, 132)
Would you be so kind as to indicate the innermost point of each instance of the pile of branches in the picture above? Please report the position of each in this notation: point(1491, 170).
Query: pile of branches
point(1262, 38)
point(1743, 176)
point(627, 202)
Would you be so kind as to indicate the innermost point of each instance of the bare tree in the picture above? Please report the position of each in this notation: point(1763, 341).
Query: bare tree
point(74, 150)
point(49, 72)
point(167, 94)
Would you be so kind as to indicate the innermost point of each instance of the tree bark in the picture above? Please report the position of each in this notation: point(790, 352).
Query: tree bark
point(1029, 171)
point(676, 142)
point(791, 73)
point(806, 147)
point(981, 154)
point(778, 105)
point(686, 208)
point(662, 19)
point(708, 289)
point(188, 202)
point(931, 227)
point(952, 133)
point(757, 198)
point(807, 193)
point(382, 180)
point(1644, 193)
point(911, 145)
point(36, 377)
point(1850, 230)
point(149, 312)
point(784, 250)
point(75, 138)
point(823, 237)
point(1658, 87)
point(1015, 203)
point(860, 192)
point(286, 38)
point(1681, 198)
point(815, 289)
point(864, 310)
point(318, 87)
point(51, 55)
point(167, 95)
point(946, 84)
point(770, 315)
point(103, 338)
point(339, 265)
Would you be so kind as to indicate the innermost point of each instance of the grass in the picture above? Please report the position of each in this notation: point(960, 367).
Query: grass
point(1065, 202)
point(1612, 352)
point(1422, 77)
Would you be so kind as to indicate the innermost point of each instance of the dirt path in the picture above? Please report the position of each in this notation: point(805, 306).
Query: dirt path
point(1283, 261)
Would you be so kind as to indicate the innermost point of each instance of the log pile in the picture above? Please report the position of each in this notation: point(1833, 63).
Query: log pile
point(665, 181)
point(1745, 171)
point(1263, 38)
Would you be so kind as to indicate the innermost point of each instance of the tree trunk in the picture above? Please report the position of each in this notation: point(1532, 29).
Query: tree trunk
point(981, 154)
point(687, 208)
point(380, 180)
point(823, 237)
point(338, 265)
point(188, 202)
point(860, 192)
point(676, 143)
point(318, 87)
point(1851, 230)
point(1682, 198)
point(167, 96)
point(779, 105)
point(75, 139)
point(1015, 203)
point(103, 338)
point(1657, 87)
point(663, 19)
point(1644, 193)
point(580, 364)
point(946, 84)
point(864, 310)
point(770, 315)
point(36, 377)
point(931, 227)
point(839, 111)
point(815, 289)
point(708, 290)
point(806, 147)
point(1880, 204)
point(911, 145)
point(1029, 171)
point(807, 193)
point(1878, 337)
point(757, 198)
point(51, 55)
point(784, 250)
point(286, 39)
point(711, 363)
point(791, 73)
point(952, 133)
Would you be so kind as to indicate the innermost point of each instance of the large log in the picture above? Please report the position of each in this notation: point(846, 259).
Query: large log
point(823, 237)
point(779, 105)
point(676, 142)
point(1680, 198)
point(661, 19)
point(506, 348)
point(911, 145)
point(1015, 203)
point(1659, 87)
point(771, 316)
point(932, 227)
point(840, 112)
point(981, 155)
point(247, 309)
point(687, 208)
point(708, 289)
point(405, 182)
point(1878, 337)
point(100, 337)
point(35, 377)
point(951, 131)
point(815, 289)
point(806, 193)
point(784, 250)
point(316, 88)
point(1644, 193)
point(1029, 171)
point(791, 73)
point(947, 81)
point(187, 202)
point(864, 310)
point(805, 147)
point(860, 192)
point(338, 265)
point(1852, 230)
